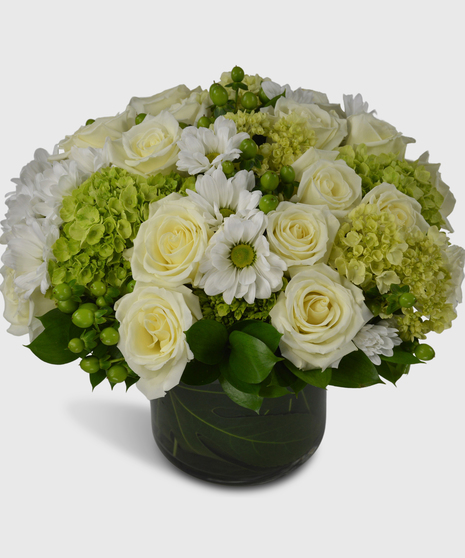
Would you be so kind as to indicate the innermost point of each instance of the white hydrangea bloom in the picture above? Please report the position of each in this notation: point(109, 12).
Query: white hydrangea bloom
point(219, 197)
point(375, 340)
point(202, 150)
point(238, 262)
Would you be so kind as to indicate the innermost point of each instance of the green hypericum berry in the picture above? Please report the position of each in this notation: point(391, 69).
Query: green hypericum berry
point(269, 181)
point(76, 345)
point(109, 336)
point(117, 373)
point(131, 286)
point(113, 292)
point(203, 122)
point(407, 300)
point(83, 317)
point(98, 288)
point(249, 148)
point(218, 95)
point(67, 306)
point(287, 174)
point(89, 306)
point(90, 364)
point(228, 167)
point(140, 118)
point(268, 203)
point(62, 292)
point(249, 100)
point(261, 95)
point(424, 352)
point(90, 121)
point(101, 302)
point(237, 74)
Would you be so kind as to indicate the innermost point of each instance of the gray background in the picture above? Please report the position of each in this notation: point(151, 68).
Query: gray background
point(80, 475)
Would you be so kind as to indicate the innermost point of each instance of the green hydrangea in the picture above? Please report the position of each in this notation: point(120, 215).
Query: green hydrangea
point(101, 219)
point(288, 137)
point(372, 251)
point(409, 177)
point(424, 269)
point(215, 308)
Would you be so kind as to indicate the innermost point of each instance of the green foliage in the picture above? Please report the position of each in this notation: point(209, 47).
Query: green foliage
point(355, 371)
point(101, 219)
point(409, 177)
point(207, 340)
point(51, 345)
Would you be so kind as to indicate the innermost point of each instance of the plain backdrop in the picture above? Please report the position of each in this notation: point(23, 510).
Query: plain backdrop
point(80, 473)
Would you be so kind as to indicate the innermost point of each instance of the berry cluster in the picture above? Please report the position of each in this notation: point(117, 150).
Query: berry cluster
point(92, 311)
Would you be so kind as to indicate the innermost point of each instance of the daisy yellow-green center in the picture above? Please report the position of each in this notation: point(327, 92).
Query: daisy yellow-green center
point(226, 212)
point(212, 156)
point(242, 255)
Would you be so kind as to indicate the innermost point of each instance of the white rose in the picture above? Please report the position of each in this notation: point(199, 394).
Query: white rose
point(406, 210)
point(319, 314)
point(449, 200)
point(301, 234)
point(330, 130)
point(148, 148)
point(378, 136)
point(171, 243)
point(185, 105)
point(96, 134)
point(332, 184)
point(152, 339)
point(21, 311)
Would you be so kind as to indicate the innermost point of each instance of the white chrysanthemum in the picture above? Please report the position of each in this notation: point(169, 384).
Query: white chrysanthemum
point(219, 197)
point(28, 253)
point(355, 105)
point(375, 340)
point(238, 262)
point(202, 150)
point(272, 89)
point(40, 190)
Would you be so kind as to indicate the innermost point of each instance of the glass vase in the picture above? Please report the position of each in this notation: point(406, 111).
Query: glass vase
point(201, 431)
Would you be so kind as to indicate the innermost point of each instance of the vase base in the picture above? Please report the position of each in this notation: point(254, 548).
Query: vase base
point(251, 478)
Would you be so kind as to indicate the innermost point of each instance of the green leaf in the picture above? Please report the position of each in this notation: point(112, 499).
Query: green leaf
point(97, 378)
point(402, 357)
point(251, 360)
point(51, 345)
point(245, 387)
point(317, 378)
point(198, 374)
point(355, 371)
point(247, 400)
point(129, 381)
point(273, 391)
point(392, 372)
point(260, 330)
point(207, 340)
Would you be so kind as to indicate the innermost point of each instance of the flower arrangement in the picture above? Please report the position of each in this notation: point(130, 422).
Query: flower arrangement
point(248, 233)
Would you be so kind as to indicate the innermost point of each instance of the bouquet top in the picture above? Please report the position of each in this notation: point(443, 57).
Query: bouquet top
point(249, 233)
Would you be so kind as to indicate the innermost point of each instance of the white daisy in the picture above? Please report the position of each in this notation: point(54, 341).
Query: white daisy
point(219, 197)
point(203, 150)
point(375, 340)
point(238, 262)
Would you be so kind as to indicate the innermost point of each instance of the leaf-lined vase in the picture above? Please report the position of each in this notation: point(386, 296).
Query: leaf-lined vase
point(204, 433)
